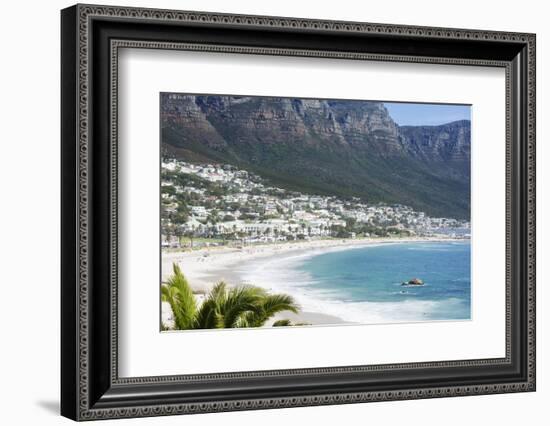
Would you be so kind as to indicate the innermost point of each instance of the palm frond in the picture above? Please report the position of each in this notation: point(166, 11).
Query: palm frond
point(211, 312)
point(282, 323)
point(207, 315)
point(272, 304)
point(179, 295)
point(164, 293)
point(240, 301)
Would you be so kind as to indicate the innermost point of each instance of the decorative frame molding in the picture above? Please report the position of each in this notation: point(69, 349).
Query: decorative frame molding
point(91, 388)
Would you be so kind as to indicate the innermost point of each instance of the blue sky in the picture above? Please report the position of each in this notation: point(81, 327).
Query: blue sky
point(409, 114)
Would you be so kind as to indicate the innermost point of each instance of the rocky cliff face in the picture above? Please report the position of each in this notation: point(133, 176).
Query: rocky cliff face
point(282, 120)
point(326, 146)
point(446, 143)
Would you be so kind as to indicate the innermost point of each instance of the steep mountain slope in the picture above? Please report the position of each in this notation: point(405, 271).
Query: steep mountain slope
point(447, 144)
point(346, 148)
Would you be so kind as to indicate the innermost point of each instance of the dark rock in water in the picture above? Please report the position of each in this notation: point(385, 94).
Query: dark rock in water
point(414, 281)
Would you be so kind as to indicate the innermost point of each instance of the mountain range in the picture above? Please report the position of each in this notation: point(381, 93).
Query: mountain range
point(329, 147)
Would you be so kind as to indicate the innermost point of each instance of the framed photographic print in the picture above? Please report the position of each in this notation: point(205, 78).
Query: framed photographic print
point(263, 212)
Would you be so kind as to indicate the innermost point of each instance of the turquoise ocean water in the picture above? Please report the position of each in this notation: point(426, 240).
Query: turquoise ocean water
point(364, 284)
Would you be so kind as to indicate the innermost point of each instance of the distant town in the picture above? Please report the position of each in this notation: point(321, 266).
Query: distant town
point(218, 204)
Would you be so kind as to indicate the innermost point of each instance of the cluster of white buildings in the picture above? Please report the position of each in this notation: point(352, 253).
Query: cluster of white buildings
point(245, 208)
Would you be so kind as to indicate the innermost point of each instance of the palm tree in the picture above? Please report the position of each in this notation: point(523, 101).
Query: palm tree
point(223, 307)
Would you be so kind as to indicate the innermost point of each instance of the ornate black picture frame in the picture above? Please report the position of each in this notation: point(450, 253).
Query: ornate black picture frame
point(91, 36)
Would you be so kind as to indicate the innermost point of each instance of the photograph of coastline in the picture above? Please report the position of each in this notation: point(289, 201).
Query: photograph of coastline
point(279, 211)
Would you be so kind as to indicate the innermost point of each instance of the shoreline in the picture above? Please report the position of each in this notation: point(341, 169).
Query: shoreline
point(206, 266)
point(220, 258)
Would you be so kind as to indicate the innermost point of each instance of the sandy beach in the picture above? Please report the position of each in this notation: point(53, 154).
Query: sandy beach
point(207, 266)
